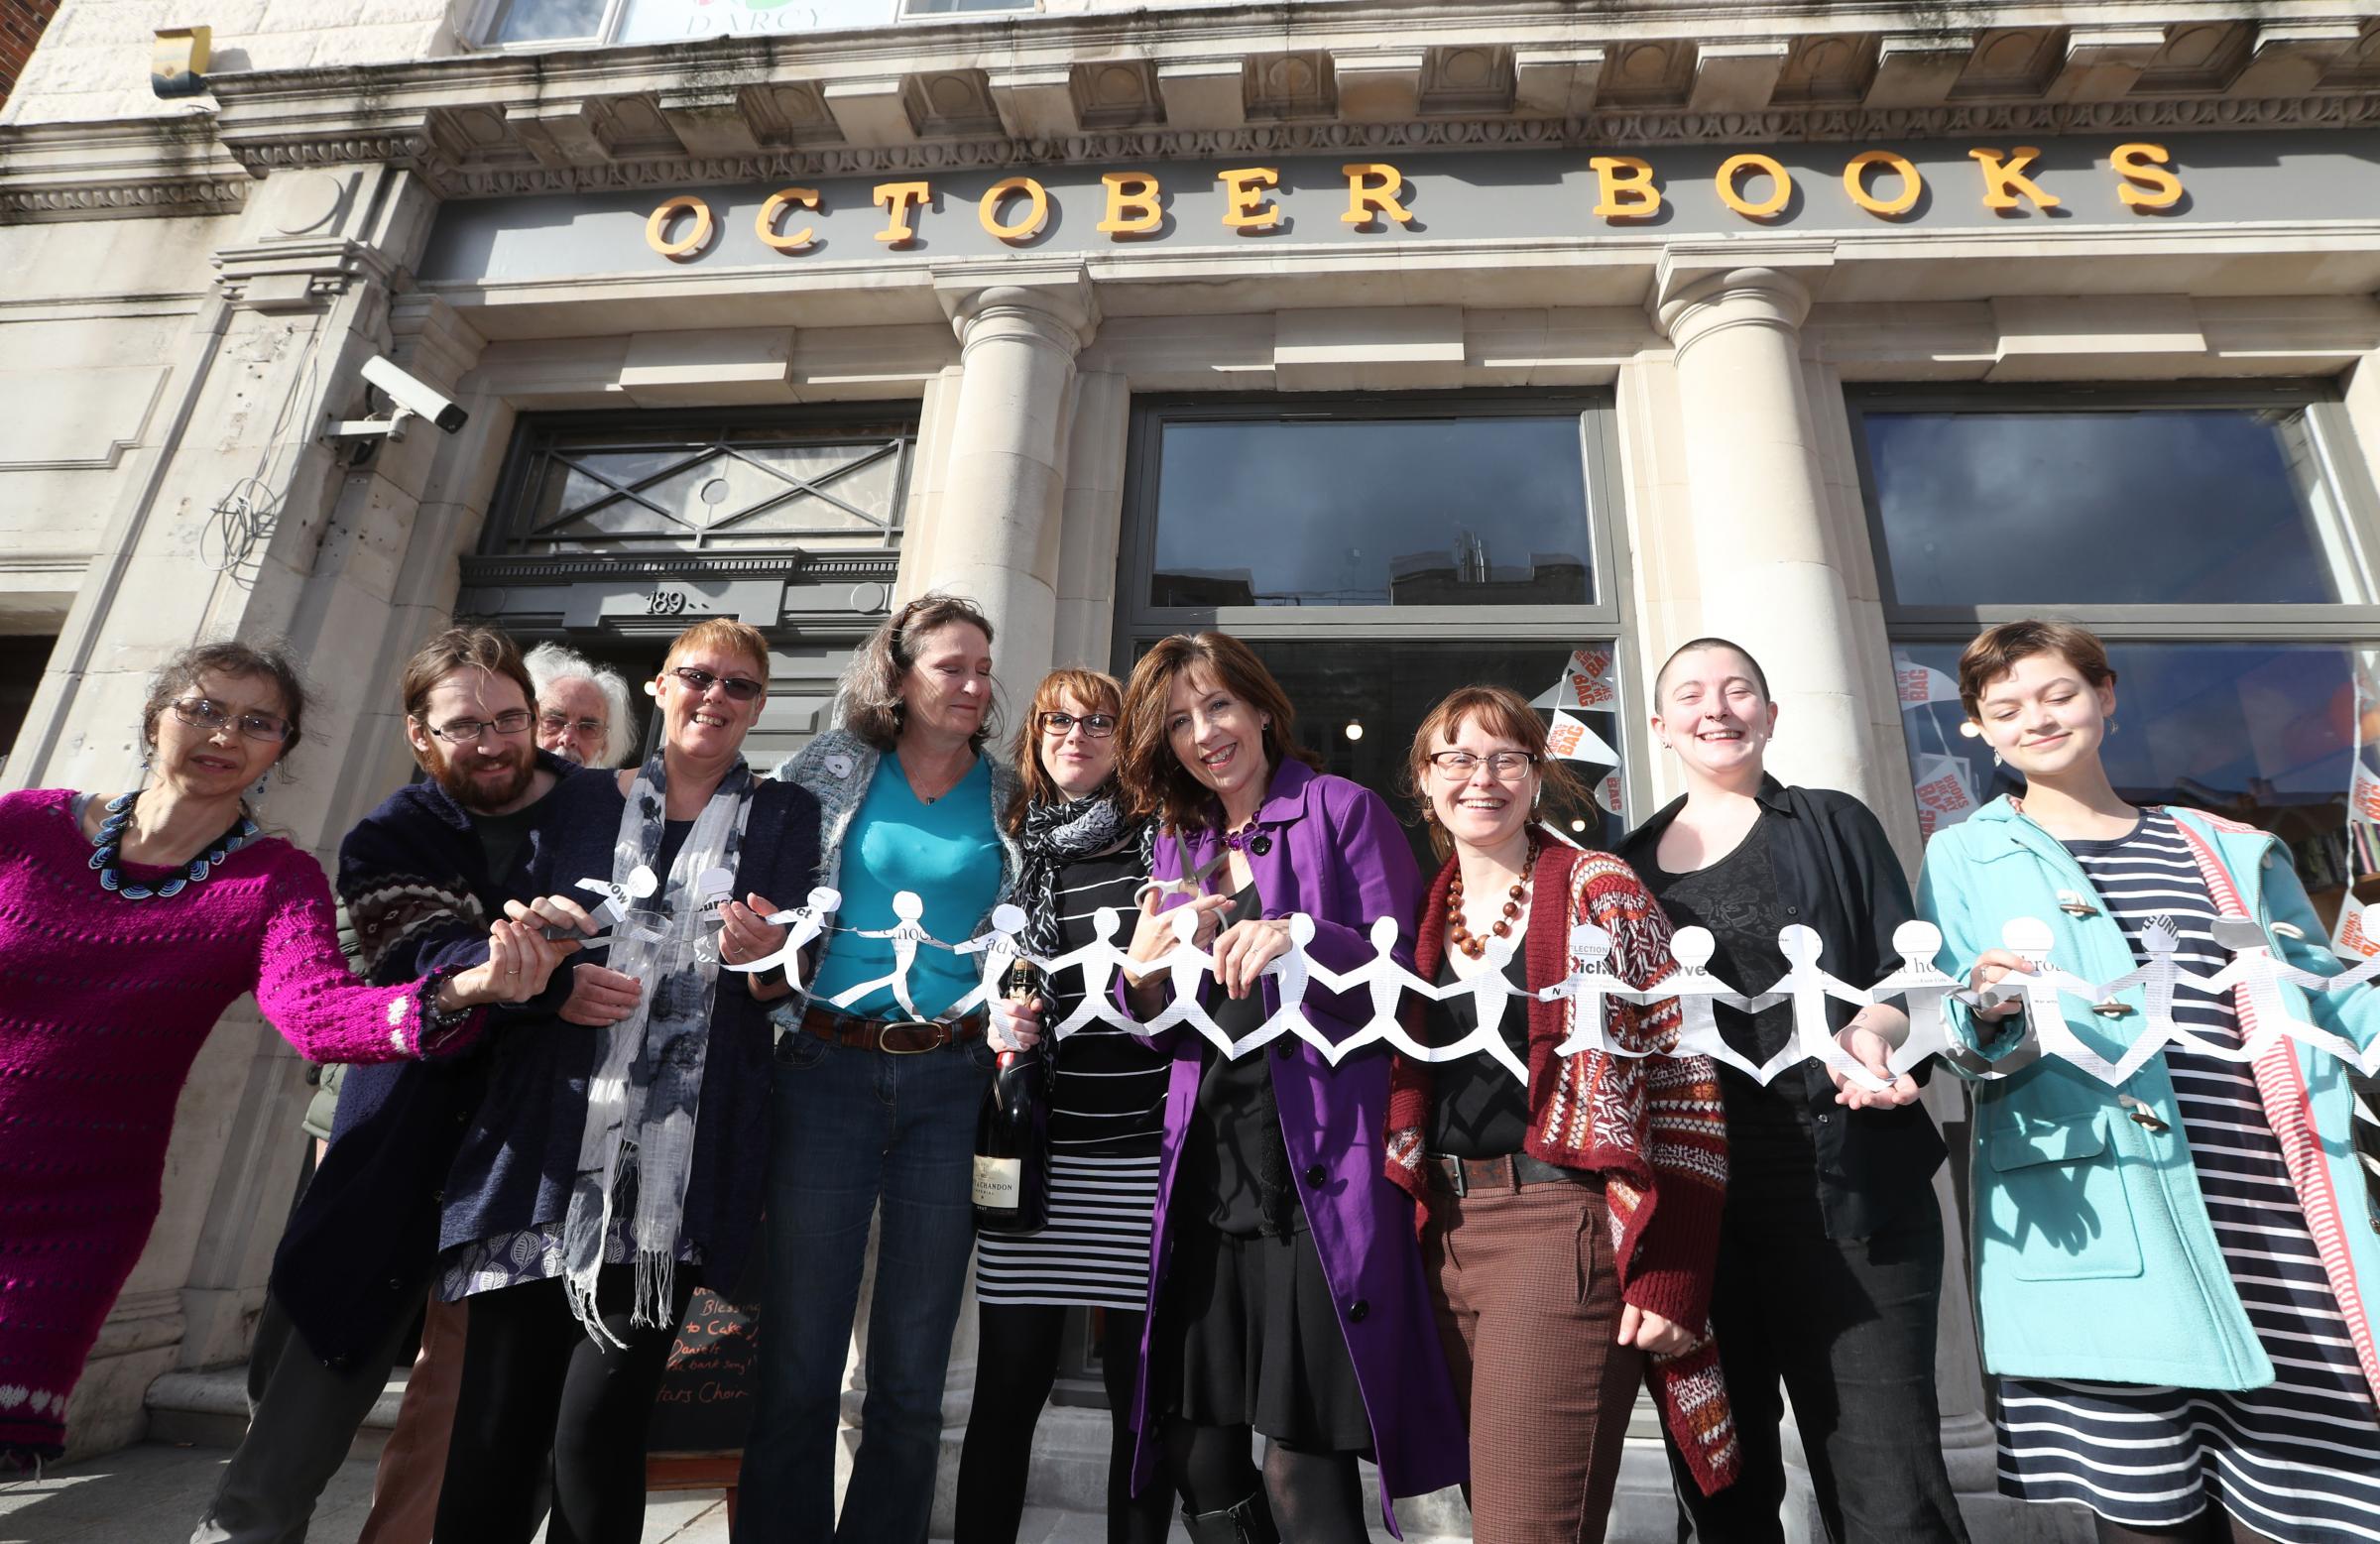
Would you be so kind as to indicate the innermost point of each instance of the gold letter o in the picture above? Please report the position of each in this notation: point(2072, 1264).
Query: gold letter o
point(688, 246)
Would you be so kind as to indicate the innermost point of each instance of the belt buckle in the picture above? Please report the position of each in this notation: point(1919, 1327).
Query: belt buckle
point(931, 1026)
point(1452, 1168)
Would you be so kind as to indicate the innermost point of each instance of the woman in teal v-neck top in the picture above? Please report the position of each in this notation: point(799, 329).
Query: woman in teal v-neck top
point(945, 852)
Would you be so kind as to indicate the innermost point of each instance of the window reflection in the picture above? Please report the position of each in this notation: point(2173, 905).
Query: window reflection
point(2262, 733)
point(2156, 507)
point(1384, 690)
point(1372, 512)
point(545, 21)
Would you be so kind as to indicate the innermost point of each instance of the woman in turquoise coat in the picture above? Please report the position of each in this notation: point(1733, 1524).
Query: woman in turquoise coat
point(2175, 1276)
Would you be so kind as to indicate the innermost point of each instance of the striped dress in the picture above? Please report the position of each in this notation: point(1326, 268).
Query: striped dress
point(2299, 1461)
point(1107, 1126)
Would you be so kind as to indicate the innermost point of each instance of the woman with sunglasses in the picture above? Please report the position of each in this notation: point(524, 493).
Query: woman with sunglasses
point(128, 924)
point(609, 1170)
point(876, 1099)
point(1829, 1281)
point(1570, 1220)
point(1286, 1294)
point(1083, 850)
point(2176, 1278)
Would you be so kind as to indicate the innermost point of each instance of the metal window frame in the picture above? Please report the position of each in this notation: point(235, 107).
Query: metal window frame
point(1609, 617)
point(529, 457)
point(2333, 438)
point(482, 15)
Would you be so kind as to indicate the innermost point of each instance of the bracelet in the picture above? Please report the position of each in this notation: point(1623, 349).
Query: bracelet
point(774, 976)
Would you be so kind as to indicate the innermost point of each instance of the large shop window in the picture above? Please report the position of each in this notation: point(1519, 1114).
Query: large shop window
point(737, 485)
point(2217, 539)
point(1381, 552)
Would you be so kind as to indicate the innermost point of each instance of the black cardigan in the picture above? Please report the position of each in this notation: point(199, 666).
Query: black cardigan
point(1841, 878)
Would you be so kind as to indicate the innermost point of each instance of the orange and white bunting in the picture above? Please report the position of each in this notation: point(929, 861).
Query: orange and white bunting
point(1921, 685)
point(1572, 741)
point(1589, 680)
point(2351, 939)
point(1943, 798)
point(2363, 793)
point(1607, 793)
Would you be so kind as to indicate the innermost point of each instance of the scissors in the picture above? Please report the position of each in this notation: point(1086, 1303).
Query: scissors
point(1195, 883)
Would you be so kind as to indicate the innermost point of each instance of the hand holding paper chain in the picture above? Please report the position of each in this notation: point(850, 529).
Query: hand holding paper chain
point(1385, 983)
point(802, 924)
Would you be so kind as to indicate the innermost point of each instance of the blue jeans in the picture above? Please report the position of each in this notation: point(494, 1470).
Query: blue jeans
point(855, 1130)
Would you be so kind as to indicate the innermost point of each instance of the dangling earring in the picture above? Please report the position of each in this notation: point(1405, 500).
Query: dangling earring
point(256, 789)
point(2111, 726)
point(1995, 759)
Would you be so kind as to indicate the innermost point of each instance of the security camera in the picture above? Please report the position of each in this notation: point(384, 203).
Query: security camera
point(413, 396)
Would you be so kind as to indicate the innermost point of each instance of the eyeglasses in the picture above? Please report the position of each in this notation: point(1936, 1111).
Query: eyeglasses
point(1504, 765)
point(1096, 725)
point(555, 723)
point(739, 688)
point(207, 714)
point(467, 731)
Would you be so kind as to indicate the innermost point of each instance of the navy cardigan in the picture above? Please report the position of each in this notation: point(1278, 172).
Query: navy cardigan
point(521, 1152)
point(364, 1237)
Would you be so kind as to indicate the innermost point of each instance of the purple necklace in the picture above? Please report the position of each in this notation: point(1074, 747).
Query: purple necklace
point(1246, 838)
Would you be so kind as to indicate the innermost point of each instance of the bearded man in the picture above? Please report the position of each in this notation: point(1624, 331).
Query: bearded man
point(420, 880)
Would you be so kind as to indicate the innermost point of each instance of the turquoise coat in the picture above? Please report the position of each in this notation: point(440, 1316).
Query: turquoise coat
point(2092, 1255)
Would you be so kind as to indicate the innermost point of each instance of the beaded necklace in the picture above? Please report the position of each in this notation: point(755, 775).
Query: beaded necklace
point(109, 843)
point(1460, 935)
point(1245, 837)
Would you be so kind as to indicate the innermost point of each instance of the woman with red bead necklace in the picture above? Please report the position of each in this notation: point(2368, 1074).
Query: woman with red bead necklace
point(1571, 1220)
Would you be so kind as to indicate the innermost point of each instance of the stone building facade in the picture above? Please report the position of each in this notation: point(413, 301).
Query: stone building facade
point(1416, 340)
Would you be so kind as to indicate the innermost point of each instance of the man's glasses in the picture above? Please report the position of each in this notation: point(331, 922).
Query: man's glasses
point(739, 688)
point(1504, 765)
point(555, 723)
point(1097, 724)
point(466, 731)
point(207, 714)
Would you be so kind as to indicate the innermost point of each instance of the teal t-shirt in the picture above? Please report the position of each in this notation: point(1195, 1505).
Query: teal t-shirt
point(948, 853)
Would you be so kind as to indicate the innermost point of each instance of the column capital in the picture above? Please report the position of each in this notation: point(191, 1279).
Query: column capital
point(432, 339)
point(1695, 284)
point(1054, 302)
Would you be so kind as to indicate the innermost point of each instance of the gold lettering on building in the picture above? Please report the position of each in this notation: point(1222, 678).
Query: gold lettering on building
point(1855, 182)
point(1245, 207)
point(765, 225)
point(1780, 186)
point(1133, 206)
point(698, 230)
point(2005, 185)
point(898, 202)
point(2147, 183)
point(1371, 189)
point(1626, 190)
point(1036, 209)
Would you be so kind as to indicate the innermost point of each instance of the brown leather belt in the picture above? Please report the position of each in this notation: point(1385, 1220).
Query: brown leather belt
point(1461, 1176)
point(893, 1036)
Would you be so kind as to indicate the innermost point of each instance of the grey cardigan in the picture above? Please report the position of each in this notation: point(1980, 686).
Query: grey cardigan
point(836, 768)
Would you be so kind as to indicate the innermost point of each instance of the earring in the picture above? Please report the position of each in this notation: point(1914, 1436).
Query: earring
point(2111, 726)
point(1995, 759)
point(256, 790)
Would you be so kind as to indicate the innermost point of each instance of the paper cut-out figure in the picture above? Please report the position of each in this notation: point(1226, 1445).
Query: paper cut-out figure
point(1385, 980)
point(1095, 963)
point(1490, 991)
point(1926, 994)
point(1809, 988)
point(1184, 964)
point(999, 950)
point(802, 924)
point(2257, 974)
point(2039, 986)
point(906, 933)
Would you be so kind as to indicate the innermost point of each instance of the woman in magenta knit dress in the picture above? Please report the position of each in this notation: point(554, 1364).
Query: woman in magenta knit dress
point(127, 927)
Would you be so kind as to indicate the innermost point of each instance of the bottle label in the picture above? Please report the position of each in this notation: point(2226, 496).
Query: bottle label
point(998, 1182)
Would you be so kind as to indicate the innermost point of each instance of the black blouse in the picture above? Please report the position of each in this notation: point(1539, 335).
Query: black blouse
point(1235, 1166)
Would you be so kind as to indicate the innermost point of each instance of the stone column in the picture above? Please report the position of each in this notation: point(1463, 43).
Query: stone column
point(1761, 519)
point(996, 531)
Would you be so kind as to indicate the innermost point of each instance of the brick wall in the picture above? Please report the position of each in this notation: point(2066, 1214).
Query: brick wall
point(21, 24)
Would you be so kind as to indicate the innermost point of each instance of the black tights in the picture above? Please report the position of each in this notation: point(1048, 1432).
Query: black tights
point(2212, 1526)
point(1014, 1367)
point(535, 1382)
point(1316, 1498)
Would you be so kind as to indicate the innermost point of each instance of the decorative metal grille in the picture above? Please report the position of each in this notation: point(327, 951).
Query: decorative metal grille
point(721, 488)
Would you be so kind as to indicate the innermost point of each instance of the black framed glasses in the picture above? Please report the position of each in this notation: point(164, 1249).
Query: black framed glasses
point(739, 688)
point(1096, 725)
point(207, 714)
point(1504, 765)
point(555, 723)
point(467, 731)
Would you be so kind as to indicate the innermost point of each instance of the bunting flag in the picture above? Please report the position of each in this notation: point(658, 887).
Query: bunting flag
point(1943, 796)
point(2351, 939)
point(1572, 741)
point(1921, 685)
point(1588, 681)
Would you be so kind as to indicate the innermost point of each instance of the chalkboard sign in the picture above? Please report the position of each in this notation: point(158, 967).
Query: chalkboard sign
point(706, 1398)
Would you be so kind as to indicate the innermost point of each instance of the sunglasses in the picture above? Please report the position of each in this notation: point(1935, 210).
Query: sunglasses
point(739, 688)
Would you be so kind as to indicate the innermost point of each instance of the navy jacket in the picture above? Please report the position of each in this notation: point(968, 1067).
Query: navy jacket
point(1840, 878)
point(521, 1151)
point(415, 891)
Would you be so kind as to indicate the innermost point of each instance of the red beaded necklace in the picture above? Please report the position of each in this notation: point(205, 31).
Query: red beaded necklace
point(1460, 935)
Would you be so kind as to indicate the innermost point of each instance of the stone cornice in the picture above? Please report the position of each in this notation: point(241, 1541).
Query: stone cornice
point(1312, 76)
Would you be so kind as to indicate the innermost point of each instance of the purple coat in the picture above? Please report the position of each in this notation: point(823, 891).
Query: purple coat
point(1338, 855)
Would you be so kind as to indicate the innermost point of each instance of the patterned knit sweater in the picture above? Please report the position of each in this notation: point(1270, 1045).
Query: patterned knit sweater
point(1652, 1127)
point(104, 1004)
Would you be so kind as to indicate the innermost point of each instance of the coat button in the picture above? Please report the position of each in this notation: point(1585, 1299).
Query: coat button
point(1288, 1049)
point(1793, 911)
point(1357, 1311)
point(1316, 1174)
point(395, 1285)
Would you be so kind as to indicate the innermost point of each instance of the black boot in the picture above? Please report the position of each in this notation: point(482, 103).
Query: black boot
point(1249, 1522)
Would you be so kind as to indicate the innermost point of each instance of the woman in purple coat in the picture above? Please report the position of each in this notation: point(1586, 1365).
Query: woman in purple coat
point(1286, 1291)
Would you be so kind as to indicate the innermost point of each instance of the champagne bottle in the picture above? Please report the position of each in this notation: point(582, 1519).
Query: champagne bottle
point(1012, 1132)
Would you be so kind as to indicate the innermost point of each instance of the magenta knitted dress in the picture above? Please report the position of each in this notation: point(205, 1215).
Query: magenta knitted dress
point(103, 1004)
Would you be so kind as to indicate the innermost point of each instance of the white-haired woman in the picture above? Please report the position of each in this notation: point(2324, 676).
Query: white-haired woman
point(583, 709)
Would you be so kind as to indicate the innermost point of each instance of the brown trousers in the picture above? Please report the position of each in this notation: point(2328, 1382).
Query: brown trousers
point(1528, 1305)
point(405, 1494)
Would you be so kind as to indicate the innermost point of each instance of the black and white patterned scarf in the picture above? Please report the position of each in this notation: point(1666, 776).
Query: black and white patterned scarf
point(642, 1100)
point(1056, 834)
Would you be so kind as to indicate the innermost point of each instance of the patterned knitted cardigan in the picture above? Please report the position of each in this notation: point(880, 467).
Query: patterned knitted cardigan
point(1652, 1127)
